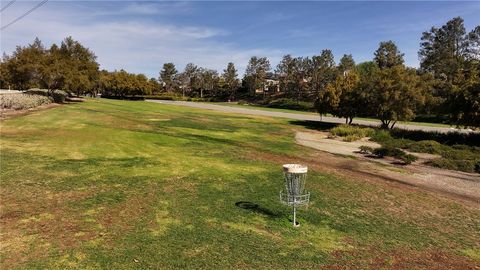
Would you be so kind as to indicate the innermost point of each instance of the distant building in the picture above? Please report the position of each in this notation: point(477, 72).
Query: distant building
point(271, 85)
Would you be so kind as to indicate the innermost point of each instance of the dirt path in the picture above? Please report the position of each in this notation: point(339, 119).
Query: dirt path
point(459, 185)
point(296, 116)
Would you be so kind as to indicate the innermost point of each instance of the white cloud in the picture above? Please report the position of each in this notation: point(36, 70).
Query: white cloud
point(136, 45)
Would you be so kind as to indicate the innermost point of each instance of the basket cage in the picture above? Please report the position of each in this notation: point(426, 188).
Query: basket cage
point(295, 177)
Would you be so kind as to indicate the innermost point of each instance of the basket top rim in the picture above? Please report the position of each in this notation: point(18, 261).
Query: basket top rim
point(295, 168)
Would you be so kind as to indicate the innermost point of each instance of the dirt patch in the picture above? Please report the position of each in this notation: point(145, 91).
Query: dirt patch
point(38, 217)
point(121, 218)
point(321, 141)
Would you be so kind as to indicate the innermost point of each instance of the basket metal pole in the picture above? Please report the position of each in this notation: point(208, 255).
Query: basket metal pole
point(294, 216)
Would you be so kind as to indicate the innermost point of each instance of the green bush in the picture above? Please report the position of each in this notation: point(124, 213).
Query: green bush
point(395, 153)
point(459, 151)
point(351, 133)
point(58, 96)
point(448, 138)
point(163, 97)
point(381, 135)
point(407, 158)
point(286, 103)
point(427, 146)
point(366, 150)
point(455, 164)
point(352, 138)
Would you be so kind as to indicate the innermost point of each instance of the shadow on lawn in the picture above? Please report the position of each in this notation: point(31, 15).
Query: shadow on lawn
point(255, 208)
point(315, 125)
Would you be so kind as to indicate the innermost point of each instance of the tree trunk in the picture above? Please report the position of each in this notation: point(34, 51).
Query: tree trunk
point(351, 120)
point(394, 122)
point(385, 123)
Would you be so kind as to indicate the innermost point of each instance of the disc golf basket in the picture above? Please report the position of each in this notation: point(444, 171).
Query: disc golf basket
point(295, 193)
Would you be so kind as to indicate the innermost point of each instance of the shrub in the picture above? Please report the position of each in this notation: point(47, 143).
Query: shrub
point(286, 103)
point(449, 138)
point(352, 138)
point(394, 152)
point(381, 151)
point(455, 164)
point(162, 97)
point(458, 154)
point(381, 136)
point(477, 166)
point(58, 96)
point(22, 101)
point(427, 146)
point(407, 158)
point(351, 133)
point(133, 98)
point(175, 97)
point(366, 150)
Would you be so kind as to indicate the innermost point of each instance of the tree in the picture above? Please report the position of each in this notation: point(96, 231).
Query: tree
point(387, 55)
point(121, 84)
point(187, 78)
point(53, 69)
point(444, 50)
point(230, 78)
point(23, 70)
point(81, 70)
point(328, 99)
point(209, 80)
point(395, 93)
point(473, 48)
point(286, 72)
point(167, 76)
point(71, 67)
point(453, 57)
point(466, 106)
point(154, 85)
point(322, 72)
point(346, 63)
point(347, 84)
point(256, 72)
point(293, 73)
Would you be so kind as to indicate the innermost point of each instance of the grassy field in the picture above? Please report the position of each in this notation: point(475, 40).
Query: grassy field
point(258, 107)
point(136, 185)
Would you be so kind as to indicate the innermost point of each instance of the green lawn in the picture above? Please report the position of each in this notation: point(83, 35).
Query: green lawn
point(258, 107)
point(137, 185)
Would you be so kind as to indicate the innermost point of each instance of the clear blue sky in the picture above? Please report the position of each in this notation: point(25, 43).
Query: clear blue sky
point(141, 36)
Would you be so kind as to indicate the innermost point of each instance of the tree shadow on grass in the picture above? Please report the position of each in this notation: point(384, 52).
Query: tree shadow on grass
point(255, 208)
point(315, 125)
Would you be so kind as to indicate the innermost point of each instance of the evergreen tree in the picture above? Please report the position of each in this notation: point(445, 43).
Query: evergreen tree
point(167, 76)
point(256, 71)
point(387, 55)
point(230, 78)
